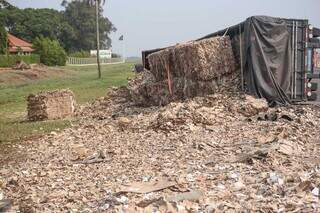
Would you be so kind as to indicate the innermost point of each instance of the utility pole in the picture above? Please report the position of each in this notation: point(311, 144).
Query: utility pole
point(98, 37)
point(123, 49)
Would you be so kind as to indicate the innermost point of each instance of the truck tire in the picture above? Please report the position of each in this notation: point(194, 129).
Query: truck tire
point(313, 76)
point(313, 97)
point(314, 40)
point(138, 68)
point(314, 86)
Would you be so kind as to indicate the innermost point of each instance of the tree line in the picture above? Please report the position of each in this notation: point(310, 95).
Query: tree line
point(73, 27)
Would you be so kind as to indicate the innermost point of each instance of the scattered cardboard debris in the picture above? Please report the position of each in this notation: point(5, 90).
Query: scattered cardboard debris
point(315, 191)
point(98, 157)
point(148, 202)
point(304, 185)
point(21, 65)
point(288, 147)
point(148, 187)
point(5, 205)
point(190, 196)
point(204, 143)
point(253, 106)
point(214, 143)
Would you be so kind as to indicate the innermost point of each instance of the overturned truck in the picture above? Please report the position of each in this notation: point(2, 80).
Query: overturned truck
point(271, 58)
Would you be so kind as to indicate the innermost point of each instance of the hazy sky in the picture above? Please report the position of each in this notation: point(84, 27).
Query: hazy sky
point(148, 24)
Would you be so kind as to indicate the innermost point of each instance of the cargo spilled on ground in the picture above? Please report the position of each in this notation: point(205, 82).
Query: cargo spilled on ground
point(197, 144)
point(14, 124)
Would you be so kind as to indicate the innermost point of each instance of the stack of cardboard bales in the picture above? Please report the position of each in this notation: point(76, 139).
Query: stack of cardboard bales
point(187, 70)
point(51, 105)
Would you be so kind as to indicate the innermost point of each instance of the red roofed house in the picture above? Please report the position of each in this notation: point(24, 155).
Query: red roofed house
point(18, 46)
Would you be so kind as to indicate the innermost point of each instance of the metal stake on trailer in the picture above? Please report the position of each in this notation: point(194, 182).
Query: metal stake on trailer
point(292, 61)
point(296, 61)
point(241, 63)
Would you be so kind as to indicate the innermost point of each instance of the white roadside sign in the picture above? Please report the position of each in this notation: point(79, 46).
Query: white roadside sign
point(103, 53)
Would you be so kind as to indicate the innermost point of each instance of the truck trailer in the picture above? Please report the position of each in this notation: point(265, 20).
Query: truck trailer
point(278, 57)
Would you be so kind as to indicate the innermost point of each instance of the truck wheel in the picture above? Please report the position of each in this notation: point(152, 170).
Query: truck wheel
point(313, 76)
point(314, 40)
point(313, 97)
point(313, 86)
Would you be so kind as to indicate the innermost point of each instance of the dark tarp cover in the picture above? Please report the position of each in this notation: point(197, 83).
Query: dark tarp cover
point(267, 63)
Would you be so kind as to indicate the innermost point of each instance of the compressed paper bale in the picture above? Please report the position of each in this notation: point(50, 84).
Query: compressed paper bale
point(51, 105)
point(158, 93)
point(252, 106)
point(150, 92)
point(202, 60)
point(195, 69)
point(137, 87)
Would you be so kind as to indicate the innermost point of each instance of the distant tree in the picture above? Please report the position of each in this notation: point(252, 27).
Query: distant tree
point(74, 28)
point(5, 4)
point(93, 2)
point(50, 51)
point(115, 55)
point(31, 23)
point(81, 16)
point(80, 54)
point(90, 2)
point(3, 40)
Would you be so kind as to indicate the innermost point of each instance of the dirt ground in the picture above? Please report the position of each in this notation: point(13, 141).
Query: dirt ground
point(219, 153)
point(36, 72)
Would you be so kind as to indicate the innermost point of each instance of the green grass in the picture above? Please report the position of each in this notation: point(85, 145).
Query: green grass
point(83, 81)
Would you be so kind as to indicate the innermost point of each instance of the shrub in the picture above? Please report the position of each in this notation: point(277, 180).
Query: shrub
point(50, 51)
point(11, 60)
point(115, 55)
point(3, 39)
point(80, 54)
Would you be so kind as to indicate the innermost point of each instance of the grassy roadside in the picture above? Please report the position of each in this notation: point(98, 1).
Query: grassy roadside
point(82, 81)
